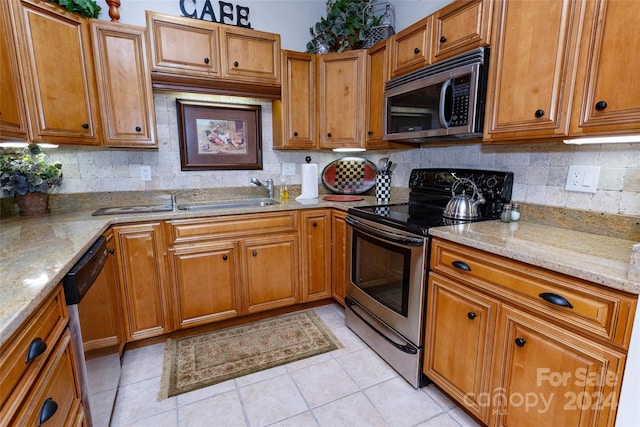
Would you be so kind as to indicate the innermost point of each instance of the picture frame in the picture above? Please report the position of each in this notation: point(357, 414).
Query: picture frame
point(218, 136)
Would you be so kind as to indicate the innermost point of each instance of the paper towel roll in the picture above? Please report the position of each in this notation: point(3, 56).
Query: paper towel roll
point(309, 182)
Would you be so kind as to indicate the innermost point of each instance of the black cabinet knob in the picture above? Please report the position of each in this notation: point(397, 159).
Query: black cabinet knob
point(235, 63)
point(539, 113)
point(329, 134)
point(520, 342)
point(416, 51)
point(314, 224)
point(295, 134)
point(224, 257)
point(49, 407)
point(206, 60)
point(138, 129)
point(112, 251)
point(601, 105)
point(443, 39)
point(254, 253)
point(85, 126)
point(36, 348)
point(471, 315)
point(370, 132)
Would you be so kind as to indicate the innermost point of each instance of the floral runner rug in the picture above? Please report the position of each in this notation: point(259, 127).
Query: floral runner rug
point(194, 362)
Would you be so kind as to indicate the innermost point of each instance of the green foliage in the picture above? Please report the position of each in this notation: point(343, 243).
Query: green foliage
point(86, 8)
point(343, 28)
point(27, 170)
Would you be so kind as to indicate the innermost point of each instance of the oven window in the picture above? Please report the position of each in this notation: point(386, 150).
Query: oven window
point(382, 270)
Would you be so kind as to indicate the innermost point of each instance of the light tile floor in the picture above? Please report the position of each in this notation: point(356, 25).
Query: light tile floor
point(351, 386)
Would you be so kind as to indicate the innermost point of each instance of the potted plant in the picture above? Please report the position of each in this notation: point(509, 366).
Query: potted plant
point(27, 175)
point(86, 8)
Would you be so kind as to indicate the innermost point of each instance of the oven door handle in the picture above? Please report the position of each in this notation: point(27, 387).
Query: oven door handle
point(395, 238)
point(404, 348)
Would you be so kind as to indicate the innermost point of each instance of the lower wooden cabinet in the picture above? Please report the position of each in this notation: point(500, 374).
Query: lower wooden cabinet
point(340, 255)
point(316, 254)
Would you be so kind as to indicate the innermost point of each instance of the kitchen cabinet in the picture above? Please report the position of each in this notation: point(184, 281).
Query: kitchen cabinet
point(461, 326)
point(411, 48)
point(340, 255)
point(461, 26)
point(124, 85)
point(341, 99)
point(295, 115)
point(316, 254)
point(250, 56)
point(532, 69)
point(55, 56)
point(377, 75)
point(560, 340)
point(605, 102)
point(140, 255)
point(37, 368)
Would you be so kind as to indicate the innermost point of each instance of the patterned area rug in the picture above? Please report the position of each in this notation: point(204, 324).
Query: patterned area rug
point(199, 361)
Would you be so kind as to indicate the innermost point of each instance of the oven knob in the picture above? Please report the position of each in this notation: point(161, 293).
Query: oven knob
point(492, 182)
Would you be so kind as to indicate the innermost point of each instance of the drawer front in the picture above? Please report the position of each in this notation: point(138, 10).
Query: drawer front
point(15, 372)
point(231, 226)
point(602, 312)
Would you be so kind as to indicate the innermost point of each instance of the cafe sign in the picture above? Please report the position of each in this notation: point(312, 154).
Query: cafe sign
point(221, 13)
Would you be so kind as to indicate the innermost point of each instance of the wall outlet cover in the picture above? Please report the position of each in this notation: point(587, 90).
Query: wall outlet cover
point(145, 173)
point(582, 179)
point(288, 169)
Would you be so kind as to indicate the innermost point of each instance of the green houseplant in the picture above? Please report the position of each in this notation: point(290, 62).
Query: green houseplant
point(27, 175)
point(86, 8)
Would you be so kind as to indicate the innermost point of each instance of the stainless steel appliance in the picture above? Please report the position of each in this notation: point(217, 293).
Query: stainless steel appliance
point(386, 294)
point(445, 100)
point(98, 371)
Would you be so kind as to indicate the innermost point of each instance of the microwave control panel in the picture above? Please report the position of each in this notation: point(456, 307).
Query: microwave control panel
point(461, 90)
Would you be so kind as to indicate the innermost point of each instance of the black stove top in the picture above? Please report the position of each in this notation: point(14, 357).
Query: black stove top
point(430, 193)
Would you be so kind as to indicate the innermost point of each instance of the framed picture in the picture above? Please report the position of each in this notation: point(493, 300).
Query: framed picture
point(219, 136)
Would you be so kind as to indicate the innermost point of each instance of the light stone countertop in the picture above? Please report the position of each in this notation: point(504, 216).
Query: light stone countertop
point(36, 253)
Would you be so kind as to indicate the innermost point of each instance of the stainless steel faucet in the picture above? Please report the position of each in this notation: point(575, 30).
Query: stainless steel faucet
point(268, 187)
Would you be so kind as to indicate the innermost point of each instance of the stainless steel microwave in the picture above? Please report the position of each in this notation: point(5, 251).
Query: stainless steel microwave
point(445, 100)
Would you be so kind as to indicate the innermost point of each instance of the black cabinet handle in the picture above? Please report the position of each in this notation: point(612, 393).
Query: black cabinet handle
point(329, 134)
point(461, 265)
point(138, 128)
point(555, 299)
point(36, 348)
point(295, 134)
point(416, 51)
point(254, 253)
point(471, 315)
point(85, 126)
point(601, 105)
point(443, 39)
point(520, 342)
point(49, 407)
point(539, 113)
point(315, 224)
point(224, 257)
point(235, 63)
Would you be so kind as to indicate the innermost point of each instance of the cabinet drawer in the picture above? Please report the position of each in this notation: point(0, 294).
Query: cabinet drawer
point(601, 312)
point(231, 226)
point(16, 374)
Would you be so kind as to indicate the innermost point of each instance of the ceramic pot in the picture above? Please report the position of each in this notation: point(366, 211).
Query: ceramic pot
point(32, 203)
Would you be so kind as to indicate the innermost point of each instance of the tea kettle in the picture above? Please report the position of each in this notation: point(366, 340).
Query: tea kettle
point(462, 206)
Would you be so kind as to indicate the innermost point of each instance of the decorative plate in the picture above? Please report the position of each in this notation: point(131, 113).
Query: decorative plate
point(349, 175)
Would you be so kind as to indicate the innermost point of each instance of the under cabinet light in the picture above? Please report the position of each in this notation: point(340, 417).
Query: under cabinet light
point(624, 139)
point(24, 144)
point(349, 150)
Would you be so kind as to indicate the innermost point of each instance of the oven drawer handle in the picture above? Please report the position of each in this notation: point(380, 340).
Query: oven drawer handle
point(555, 299)
point(404, 348)
point(408, 241)
point(461, 265)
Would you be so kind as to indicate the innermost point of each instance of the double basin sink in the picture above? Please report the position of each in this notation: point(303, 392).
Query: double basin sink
point(195, 206)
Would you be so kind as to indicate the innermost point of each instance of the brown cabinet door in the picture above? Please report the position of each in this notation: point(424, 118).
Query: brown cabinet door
point(459, 342)
point(377, 75)
point(461, 26)
point(124, 85)
point(59, 75)
point(298, 110)
point(340, 255)
point(206, 286)
point(250, 56)
point(316, 255)
point(550, 377)
point(140, 257)
point(271, 272)
point(607, 91)
point(532, 68)
point(183, 46)
point(341, 99)
point(411, 47)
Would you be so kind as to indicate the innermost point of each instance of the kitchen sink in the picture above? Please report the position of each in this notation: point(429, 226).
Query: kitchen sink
point(227, 204)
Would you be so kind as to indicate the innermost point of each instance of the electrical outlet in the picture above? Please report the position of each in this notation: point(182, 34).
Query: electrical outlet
point(583, 179)
point(145, 173)
point(288, 169)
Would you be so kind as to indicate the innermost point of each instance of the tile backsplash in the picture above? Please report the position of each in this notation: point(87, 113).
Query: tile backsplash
point(540, 169)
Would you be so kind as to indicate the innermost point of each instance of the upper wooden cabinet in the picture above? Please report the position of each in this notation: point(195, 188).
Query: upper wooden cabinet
point(124, 85)
point(341, 99)
point(532, 68)
point(55, 58)
point(377, 74)
point(461, 26)
point(411, 48)
point(606, 99)
point(250, 55)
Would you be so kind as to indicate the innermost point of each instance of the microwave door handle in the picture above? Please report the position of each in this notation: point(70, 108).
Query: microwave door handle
point(443, 98)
